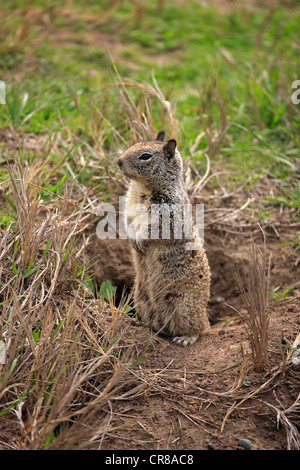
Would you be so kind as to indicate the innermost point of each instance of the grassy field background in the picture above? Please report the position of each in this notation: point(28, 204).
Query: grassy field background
point(82, 81)
point(218, 66)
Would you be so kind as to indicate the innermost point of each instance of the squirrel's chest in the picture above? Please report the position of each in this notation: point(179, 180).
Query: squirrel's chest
point(137, 195)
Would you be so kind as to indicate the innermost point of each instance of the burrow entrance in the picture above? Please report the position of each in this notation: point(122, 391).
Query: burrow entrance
point(112, 262)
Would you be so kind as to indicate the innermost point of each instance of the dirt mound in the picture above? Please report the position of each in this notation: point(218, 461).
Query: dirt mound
point(208, 396)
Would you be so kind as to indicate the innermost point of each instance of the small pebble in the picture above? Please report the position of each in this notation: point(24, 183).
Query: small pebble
point(245, 444)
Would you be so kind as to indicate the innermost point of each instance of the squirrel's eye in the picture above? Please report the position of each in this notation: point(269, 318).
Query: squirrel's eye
point(145, 156)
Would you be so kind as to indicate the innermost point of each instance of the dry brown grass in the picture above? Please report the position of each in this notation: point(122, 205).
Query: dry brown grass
point(255, 292)
point(289, 419)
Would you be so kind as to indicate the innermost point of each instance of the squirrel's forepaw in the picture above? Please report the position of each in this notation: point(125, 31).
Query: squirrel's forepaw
point(184, 340)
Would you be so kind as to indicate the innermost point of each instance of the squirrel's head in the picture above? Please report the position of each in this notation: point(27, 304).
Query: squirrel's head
point(156, 163)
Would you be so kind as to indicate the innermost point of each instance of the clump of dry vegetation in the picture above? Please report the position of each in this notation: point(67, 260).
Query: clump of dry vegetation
point(255, 293)
point(65, 355)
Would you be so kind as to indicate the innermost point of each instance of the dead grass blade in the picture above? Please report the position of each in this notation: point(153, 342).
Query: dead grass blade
point(285, 417)
point(255, 291)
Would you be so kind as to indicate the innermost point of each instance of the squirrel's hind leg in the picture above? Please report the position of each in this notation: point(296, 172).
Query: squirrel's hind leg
point(184, 340)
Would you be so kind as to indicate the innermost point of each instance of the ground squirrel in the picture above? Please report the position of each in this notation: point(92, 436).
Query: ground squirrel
point(172, 283)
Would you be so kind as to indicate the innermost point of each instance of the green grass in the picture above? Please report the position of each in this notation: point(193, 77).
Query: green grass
point(56, 68)
point(276, 295)
point(107, 291)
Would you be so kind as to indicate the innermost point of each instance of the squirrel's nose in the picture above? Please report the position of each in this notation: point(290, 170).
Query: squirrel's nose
point(120, 162)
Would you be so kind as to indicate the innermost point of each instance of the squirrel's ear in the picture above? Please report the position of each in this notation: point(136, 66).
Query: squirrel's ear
point(170, 148)
point(161, 136)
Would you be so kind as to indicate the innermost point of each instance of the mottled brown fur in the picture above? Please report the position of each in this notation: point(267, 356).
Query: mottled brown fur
point(172, 283)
